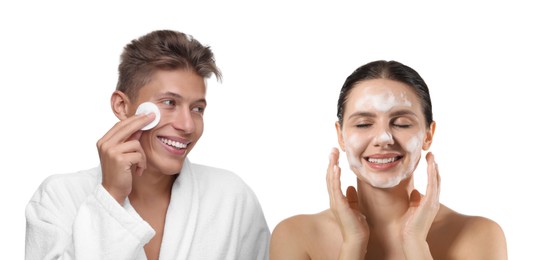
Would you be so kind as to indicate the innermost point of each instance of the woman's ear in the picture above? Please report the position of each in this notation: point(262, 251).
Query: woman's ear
point(120, 104)
point(428, 139)
point(340, 137)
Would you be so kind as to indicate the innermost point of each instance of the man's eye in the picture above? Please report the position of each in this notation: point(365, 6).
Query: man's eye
point(198, 109)
point(169, 102)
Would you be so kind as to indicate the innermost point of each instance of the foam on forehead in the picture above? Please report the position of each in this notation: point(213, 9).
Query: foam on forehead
point(383, 102)
point(147, 108)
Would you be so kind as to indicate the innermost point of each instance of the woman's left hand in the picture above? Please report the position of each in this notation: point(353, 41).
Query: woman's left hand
point(421, 214)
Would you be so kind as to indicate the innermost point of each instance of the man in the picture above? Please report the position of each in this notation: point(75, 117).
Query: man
point(146, 200)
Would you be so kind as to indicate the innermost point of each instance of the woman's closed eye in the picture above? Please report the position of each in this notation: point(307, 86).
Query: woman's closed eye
point(402, 123)
point(363, 125)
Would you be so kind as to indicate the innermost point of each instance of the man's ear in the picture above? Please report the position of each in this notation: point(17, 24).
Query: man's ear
point(120, 104)
point(340, 138)
point(428, 139)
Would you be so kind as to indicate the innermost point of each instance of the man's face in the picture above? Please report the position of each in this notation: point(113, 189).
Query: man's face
point(180, 96)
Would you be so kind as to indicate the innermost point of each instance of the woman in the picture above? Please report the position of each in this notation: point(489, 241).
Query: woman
point(384, 122)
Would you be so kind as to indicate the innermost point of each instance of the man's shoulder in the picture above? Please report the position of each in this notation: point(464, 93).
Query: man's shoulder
point(82, 177)
point(68, 184)
point(211, 174)
point(220, 181)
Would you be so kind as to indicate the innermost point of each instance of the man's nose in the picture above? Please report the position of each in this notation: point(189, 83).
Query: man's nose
point(183, 121)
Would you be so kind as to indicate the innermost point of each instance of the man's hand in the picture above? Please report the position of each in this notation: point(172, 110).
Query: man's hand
point(121, 155)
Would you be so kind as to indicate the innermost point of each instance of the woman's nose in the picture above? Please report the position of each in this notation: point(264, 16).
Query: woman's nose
point(383, 138)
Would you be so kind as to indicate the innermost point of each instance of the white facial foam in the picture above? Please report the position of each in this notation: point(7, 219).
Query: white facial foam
point(385, 137)
point(354, 146)
point(414, 146)
point(382, 102)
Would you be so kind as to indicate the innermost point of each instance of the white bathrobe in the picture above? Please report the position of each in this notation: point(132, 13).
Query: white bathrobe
point(212, 214)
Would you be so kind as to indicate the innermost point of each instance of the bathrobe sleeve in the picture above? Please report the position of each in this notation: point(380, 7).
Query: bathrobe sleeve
point(255, 234)
point(69, 219)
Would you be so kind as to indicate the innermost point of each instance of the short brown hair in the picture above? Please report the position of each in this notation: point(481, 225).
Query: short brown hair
point(166, 50)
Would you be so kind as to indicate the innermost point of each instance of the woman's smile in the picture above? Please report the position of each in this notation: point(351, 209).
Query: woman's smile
point(384, 132)
point(383, 161)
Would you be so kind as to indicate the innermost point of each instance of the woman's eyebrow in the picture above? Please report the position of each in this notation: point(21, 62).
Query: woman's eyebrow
point(362, 114)
point(402, 112)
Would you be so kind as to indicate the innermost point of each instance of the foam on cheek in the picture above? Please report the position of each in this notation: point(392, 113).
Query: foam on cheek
point(383, 102)
point(353, 148)
point(414, 145)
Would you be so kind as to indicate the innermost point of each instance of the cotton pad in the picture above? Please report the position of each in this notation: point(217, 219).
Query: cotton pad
point(147, 108)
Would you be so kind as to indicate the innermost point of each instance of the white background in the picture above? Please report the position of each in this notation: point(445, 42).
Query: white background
point(271, 120)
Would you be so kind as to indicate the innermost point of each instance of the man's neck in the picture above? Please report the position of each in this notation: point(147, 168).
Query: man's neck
point(152, 186)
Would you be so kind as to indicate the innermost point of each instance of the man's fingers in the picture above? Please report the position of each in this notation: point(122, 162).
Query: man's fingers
point(135, 136)
point(124, 129)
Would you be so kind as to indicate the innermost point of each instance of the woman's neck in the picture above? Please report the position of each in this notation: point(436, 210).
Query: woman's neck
point(384, 207)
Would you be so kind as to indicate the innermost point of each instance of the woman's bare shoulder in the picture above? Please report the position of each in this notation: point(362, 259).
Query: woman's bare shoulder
point(296, 237)
point(303, 225)
point(472, 237)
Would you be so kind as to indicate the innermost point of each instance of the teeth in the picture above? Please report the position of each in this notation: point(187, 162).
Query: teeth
point(382, 160)
point(173, 143)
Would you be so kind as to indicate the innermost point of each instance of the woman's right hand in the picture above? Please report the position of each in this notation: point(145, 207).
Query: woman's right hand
point(351, 221)
point(121, 155)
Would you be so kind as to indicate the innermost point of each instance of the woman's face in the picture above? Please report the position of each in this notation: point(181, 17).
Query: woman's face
point(383, 132)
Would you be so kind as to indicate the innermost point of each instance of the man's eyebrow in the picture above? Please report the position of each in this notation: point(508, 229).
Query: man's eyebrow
point(178, 96)
point(172, 94)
